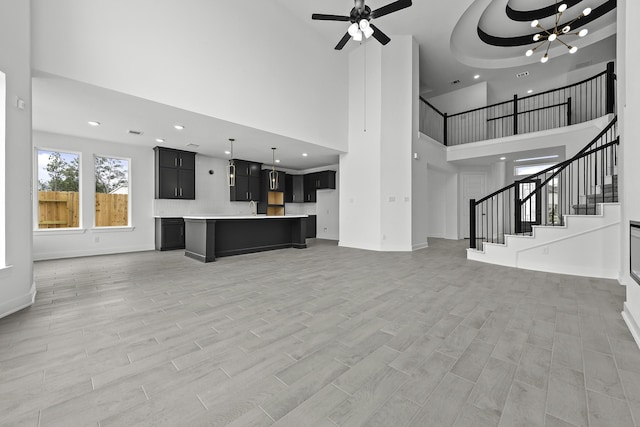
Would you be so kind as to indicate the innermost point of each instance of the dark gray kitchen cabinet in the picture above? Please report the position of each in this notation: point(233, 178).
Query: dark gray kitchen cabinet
point(175, 174)
point(247, 186)
point(169, 234)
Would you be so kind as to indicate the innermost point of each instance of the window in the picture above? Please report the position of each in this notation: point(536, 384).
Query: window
point(530, 169)
point(112, 192)
point(58, 189)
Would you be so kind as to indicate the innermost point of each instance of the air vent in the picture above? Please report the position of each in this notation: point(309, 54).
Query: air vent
point(522, 74)
point(135, 132)
point(455, 82)
point(192, 145)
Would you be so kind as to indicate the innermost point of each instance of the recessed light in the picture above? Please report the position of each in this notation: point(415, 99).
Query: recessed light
point(159, 140)
point(277, 161)
point(537, 158)
point(530, 91)
point(503, 158)
point(304, 154)
point(92, 123)
point(227, 152)
point(477, 76)
point(179, 127)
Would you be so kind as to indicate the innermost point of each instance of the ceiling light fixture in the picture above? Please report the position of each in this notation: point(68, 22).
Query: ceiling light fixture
point(304, 154)
point(273, 175)
point(92, 123)
point(546, 37)
point(503, 158)
point(179, 127)
point(159, 140)
point(530, 91)
point(231, 168)
point(477, 76)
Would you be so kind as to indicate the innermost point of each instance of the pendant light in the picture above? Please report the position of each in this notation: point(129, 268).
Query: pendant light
point(231, 169)
point(273, 175)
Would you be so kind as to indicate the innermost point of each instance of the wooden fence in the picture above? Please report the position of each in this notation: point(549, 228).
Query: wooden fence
point(60, 209)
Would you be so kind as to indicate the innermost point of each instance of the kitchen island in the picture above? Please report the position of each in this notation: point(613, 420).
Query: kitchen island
point(210, 236)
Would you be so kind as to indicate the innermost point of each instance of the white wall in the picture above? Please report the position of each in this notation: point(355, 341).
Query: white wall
point(375, 174)
point(436, 211)
point(628, 172)
point(17, 289)
point(587, 246)
point(360, 195)
point(212, 196)
point(49, 244)
point(461, 100)
point(573, 138)
point(398, 128)
point(249, 62)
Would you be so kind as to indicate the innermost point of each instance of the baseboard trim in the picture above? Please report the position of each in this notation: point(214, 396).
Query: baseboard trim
point(9, 307)
point(89, 252)
point(631, 324)
point(419, 246)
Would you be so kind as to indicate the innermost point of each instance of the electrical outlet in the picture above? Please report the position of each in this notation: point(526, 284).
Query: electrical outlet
point(96, 239)
point(545, 250)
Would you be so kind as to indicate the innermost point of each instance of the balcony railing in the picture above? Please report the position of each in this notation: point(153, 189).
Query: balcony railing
point(572, 104)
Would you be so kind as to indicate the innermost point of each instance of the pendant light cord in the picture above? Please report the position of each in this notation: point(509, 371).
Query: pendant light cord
point(365, 87)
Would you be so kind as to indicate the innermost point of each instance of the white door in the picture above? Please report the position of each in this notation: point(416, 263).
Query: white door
point(474, 186)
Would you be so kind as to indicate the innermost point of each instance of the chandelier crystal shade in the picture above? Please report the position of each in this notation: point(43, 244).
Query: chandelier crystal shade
point(273, 174)
point(231, 168)
point(547, 36)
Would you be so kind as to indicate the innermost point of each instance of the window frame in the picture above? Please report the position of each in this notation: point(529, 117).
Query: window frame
point(129, 225)
point(36, 211)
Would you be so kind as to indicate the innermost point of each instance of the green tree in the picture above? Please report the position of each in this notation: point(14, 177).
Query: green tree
point(63, 175)
point(110, 174)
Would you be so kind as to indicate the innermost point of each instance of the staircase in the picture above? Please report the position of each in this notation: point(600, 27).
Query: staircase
point(564, 219)
point(608, 194)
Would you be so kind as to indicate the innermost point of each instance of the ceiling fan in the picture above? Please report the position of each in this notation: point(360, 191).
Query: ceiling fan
point(360, 18)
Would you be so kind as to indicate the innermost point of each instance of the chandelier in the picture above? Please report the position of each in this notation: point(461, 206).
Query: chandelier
point(557, 32)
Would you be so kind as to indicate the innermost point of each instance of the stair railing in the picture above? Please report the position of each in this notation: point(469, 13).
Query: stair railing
point(574, 186)
point(572, 104)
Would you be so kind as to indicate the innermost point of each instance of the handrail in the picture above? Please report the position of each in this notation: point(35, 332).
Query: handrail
point(562, 166)
point(557, 165)
point(546, 107)
point(602, 73)
point(585, 100)
point(431, 105)
point(573, 185)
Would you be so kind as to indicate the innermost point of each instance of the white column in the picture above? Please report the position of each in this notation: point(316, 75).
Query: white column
point(628, 103)
point(375, 174)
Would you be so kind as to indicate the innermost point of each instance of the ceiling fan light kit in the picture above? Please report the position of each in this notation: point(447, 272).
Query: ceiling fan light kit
point(555, 33)
point(360, 18)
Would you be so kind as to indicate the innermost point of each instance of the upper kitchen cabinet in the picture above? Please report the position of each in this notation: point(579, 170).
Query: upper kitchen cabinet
point(247, 186)
point(175, 174)
point(318, 181)
point(294, 189)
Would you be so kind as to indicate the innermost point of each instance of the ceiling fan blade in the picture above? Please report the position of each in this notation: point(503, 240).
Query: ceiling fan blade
point(390, 8)
point(379, 35)
point(323, 17)
point(343, 41)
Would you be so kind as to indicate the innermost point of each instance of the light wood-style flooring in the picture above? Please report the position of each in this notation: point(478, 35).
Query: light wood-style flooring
point(323, 336)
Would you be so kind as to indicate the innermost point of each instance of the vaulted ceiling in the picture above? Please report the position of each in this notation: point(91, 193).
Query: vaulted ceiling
point(450, 50)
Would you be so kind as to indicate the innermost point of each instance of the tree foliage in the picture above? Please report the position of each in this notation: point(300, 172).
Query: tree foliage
point(110, 174)
point(63, 175)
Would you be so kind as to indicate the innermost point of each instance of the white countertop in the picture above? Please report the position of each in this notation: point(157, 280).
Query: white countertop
point(242, 216)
